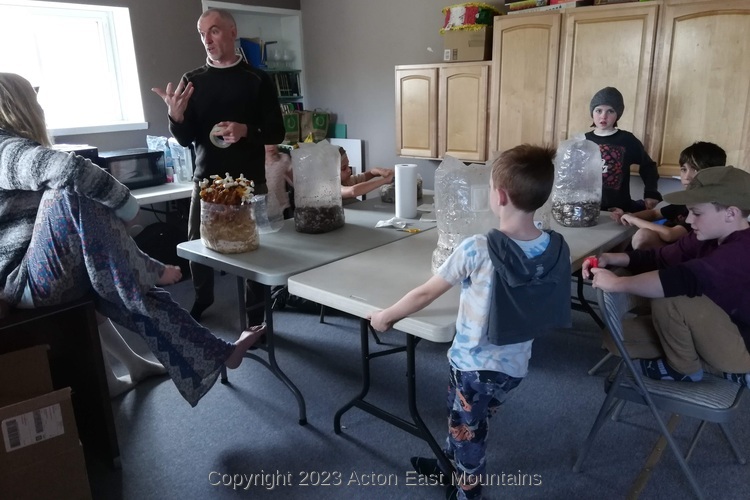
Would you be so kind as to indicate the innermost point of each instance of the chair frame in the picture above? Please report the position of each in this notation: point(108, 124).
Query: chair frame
point(627, 384)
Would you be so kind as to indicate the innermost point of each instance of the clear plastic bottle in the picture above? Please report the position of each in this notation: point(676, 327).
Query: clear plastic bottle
point(462, 205)
point(543, 216)
point(317, 188)
point(577, 192)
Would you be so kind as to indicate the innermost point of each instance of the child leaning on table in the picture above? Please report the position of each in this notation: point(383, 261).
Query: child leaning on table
point(620, 149)
point(693, 158)
point(360, 184)
point(279, 177)
point(515, 285)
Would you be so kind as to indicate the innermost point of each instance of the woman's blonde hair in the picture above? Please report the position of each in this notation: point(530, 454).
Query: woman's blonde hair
point(20, 112)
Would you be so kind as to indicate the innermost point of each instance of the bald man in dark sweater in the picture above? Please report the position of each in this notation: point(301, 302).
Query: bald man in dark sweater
point(229, 111)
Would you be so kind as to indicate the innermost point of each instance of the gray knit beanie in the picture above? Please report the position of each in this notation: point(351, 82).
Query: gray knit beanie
point(609, 96)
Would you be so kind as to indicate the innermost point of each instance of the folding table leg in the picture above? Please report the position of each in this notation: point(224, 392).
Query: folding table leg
point(425, 434)
point(243, 319)
point(416, 427)
point(365, 353)
point(271, 364)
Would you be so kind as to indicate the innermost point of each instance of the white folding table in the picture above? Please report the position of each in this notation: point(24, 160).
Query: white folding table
point(287, 252)
point(389, 272)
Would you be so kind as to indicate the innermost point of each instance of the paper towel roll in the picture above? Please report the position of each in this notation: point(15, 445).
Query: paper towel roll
point(406, 191)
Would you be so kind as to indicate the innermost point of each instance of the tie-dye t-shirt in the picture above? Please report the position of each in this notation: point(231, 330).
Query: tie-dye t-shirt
point(470, 266)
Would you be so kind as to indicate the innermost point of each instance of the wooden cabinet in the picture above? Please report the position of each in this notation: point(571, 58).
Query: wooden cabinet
point(547, 66)
point(462, 111)
point(525, 56)
point(681, 65)
point(442, 109)
point(700, 88)
point(605, 47)
point(416, 111)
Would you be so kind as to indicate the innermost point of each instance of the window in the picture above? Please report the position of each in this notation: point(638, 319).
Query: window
point(82, 59)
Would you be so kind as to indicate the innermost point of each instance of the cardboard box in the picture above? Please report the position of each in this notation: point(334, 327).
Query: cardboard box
point(61, 477)
point(40, 453)
point(468, 45)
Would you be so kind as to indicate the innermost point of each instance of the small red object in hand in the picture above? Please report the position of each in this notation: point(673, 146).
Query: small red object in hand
point(593, 261)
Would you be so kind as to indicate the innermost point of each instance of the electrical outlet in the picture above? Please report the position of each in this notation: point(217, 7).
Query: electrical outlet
point(447, 55)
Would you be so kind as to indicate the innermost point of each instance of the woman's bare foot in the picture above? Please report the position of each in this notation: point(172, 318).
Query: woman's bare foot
point(245, 342)
point(170, 276)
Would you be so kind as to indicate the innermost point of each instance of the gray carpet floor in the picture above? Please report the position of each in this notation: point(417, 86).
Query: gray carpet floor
point(249, 429)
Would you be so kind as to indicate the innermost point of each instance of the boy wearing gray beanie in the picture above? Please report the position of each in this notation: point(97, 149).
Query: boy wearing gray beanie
point(620, 149)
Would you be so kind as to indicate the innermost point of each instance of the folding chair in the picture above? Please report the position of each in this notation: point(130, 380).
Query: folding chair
point(713, 399)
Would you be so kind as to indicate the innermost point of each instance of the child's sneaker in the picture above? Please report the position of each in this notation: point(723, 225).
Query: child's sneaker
point(659, 369)
point(452, 493)
point(429, 467)
point(738, 378)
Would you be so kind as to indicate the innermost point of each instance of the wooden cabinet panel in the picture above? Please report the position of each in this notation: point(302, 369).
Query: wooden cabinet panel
point(605, 47)
point(442, 109)
point(681, 65)
point(701, 89)
point(416, 111)
point(524, 80)
point(462, 122)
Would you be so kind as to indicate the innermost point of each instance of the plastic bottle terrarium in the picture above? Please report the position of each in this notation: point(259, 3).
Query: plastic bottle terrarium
point(388, 191)
point(317, 188)
point(227, 224)
point(577, 192)
point(462, 205)
point(267, 213)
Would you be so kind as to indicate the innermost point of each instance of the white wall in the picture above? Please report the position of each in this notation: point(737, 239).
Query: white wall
point(666, 185)
point(351, 48)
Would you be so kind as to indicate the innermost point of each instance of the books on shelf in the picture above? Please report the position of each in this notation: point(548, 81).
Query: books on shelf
point(287, 83)
point(253, 51)
point(290, 107)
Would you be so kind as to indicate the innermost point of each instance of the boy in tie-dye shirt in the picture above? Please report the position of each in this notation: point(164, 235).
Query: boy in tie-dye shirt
point(515, 285)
